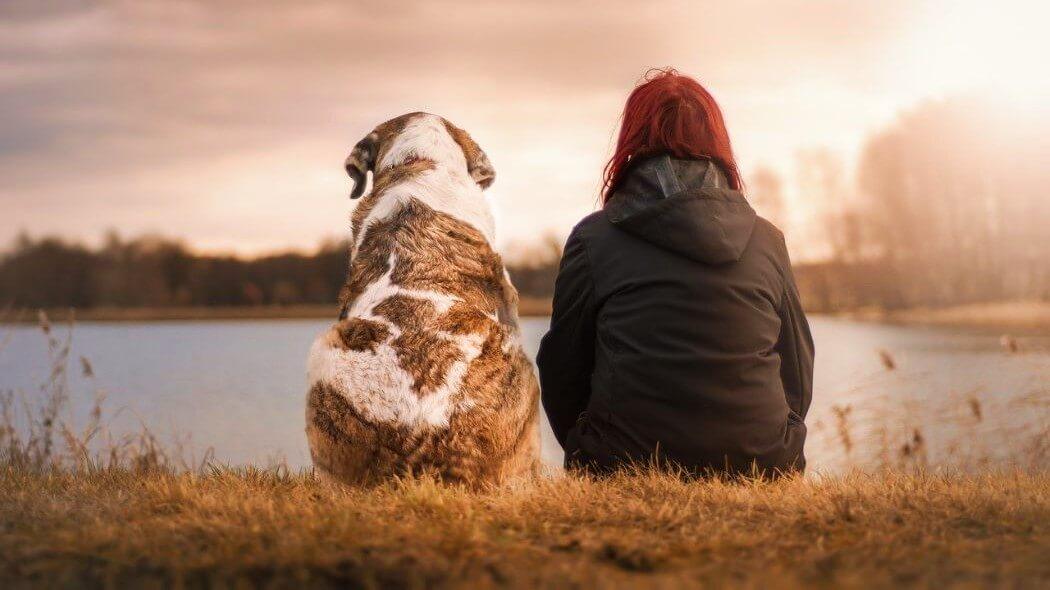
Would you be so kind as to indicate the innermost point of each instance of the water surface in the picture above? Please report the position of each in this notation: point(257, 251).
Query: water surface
point(238, 387)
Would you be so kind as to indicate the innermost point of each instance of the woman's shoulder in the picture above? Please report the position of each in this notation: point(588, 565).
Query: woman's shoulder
point(591, 226)
point(765, 227)
point(596, 218)
point(767, 237)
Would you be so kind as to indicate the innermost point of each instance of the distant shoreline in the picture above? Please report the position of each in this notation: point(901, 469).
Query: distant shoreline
point(529, 307)
point(1022, 317)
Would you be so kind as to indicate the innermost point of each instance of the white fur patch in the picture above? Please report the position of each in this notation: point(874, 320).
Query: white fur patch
point(374, 383)
point(382, 289)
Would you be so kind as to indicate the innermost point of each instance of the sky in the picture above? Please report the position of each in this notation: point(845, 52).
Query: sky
point(226, 123)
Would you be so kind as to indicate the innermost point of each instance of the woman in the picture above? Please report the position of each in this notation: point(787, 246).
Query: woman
point(677, 334)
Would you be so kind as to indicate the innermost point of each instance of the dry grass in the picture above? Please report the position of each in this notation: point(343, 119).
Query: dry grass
point(230, 527)
point(36, 434)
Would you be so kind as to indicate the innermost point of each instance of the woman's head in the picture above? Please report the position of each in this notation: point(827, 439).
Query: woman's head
point(670, 114)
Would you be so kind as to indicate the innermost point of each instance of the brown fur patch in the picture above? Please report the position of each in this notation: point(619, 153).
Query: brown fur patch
point(427, 357)
point(340, 440)
point(407, 313)
point(368, 271)
point(367, 267)
point(433, 251)
point(360, 334)
point(347, 446)
point(478, 164)
point(390, 177)
point(364, 207)
point(400, 173)
point(437, 252)
point(463, 318)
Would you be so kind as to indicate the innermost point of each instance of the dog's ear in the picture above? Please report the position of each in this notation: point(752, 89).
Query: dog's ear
point(362, 160)
point(478, 163)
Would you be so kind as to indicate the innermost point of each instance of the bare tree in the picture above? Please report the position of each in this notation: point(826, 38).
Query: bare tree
point(955, 197)
point(822, 180)
point(766, 193)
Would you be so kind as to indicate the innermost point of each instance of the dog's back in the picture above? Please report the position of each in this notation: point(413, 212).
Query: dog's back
point(425, 371)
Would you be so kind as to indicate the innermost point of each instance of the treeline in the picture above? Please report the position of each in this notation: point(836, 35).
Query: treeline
point(158, 272)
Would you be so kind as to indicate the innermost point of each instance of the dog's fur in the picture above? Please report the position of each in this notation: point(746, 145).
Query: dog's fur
point(424, 372)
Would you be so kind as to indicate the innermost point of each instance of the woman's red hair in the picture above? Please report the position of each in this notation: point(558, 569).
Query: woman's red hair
point(670, 114)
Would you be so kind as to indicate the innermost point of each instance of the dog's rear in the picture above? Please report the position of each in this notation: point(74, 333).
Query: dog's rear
point(425, 371)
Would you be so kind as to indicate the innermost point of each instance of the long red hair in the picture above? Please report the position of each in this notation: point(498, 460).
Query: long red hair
point(669, 113)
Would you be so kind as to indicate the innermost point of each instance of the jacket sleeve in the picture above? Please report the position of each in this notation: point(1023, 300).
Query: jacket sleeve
point(795, 347)
point(566, 356)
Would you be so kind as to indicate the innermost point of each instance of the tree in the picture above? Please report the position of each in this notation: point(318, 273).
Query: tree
point(955, 194)
point(767, 195)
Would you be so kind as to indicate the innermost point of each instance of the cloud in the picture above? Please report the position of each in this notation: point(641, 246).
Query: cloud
point(221, 121)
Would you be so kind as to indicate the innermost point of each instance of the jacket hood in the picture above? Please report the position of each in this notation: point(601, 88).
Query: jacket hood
point(685, 206)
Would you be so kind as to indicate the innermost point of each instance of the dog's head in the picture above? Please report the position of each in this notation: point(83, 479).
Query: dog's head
point(417, 136)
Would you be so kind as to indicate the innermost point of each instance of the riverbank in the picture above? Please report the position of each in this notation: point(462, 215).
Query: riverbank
point(228, 527)
point(529, 307)
point(1018, 317)
point(1015, 317)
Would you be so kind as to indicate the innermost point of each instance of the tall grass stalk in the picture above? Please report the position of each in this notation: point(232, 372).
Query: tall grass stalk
point(37, 432)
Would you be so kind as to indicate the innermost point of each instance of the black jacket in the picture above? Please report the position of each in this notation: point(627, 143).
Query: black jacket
point(677, 331)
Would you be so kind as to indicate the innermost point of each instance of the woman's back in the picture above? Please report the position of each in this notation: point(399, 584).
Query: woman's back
point(677, 329)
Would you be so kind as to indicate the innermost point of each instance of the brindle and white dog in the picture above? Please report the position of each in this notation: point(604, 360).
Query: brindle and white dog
point(424, 372)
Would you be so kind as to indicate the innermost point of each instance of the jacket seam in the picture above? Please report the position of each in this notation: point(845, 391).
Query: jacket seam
point(590, 296)
point(794, 352)
point(608, 393)
point(590, 271)
point(787, 283)
point(784, 281)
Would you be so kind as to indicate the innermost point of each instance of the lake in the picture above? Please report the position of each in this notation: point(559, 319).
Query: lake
point(955, 397)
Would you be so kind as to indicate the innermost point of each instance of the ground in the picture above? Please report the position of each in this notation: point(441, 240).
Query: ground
point(224, 527)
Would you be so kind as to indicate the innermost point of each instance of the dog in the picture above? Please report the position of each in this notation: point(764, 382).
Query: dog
point(424, 371)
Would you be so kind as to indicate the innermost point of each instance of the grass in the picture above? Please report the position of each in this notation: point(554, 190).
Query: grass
point(230, 527)
point(81, 508)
